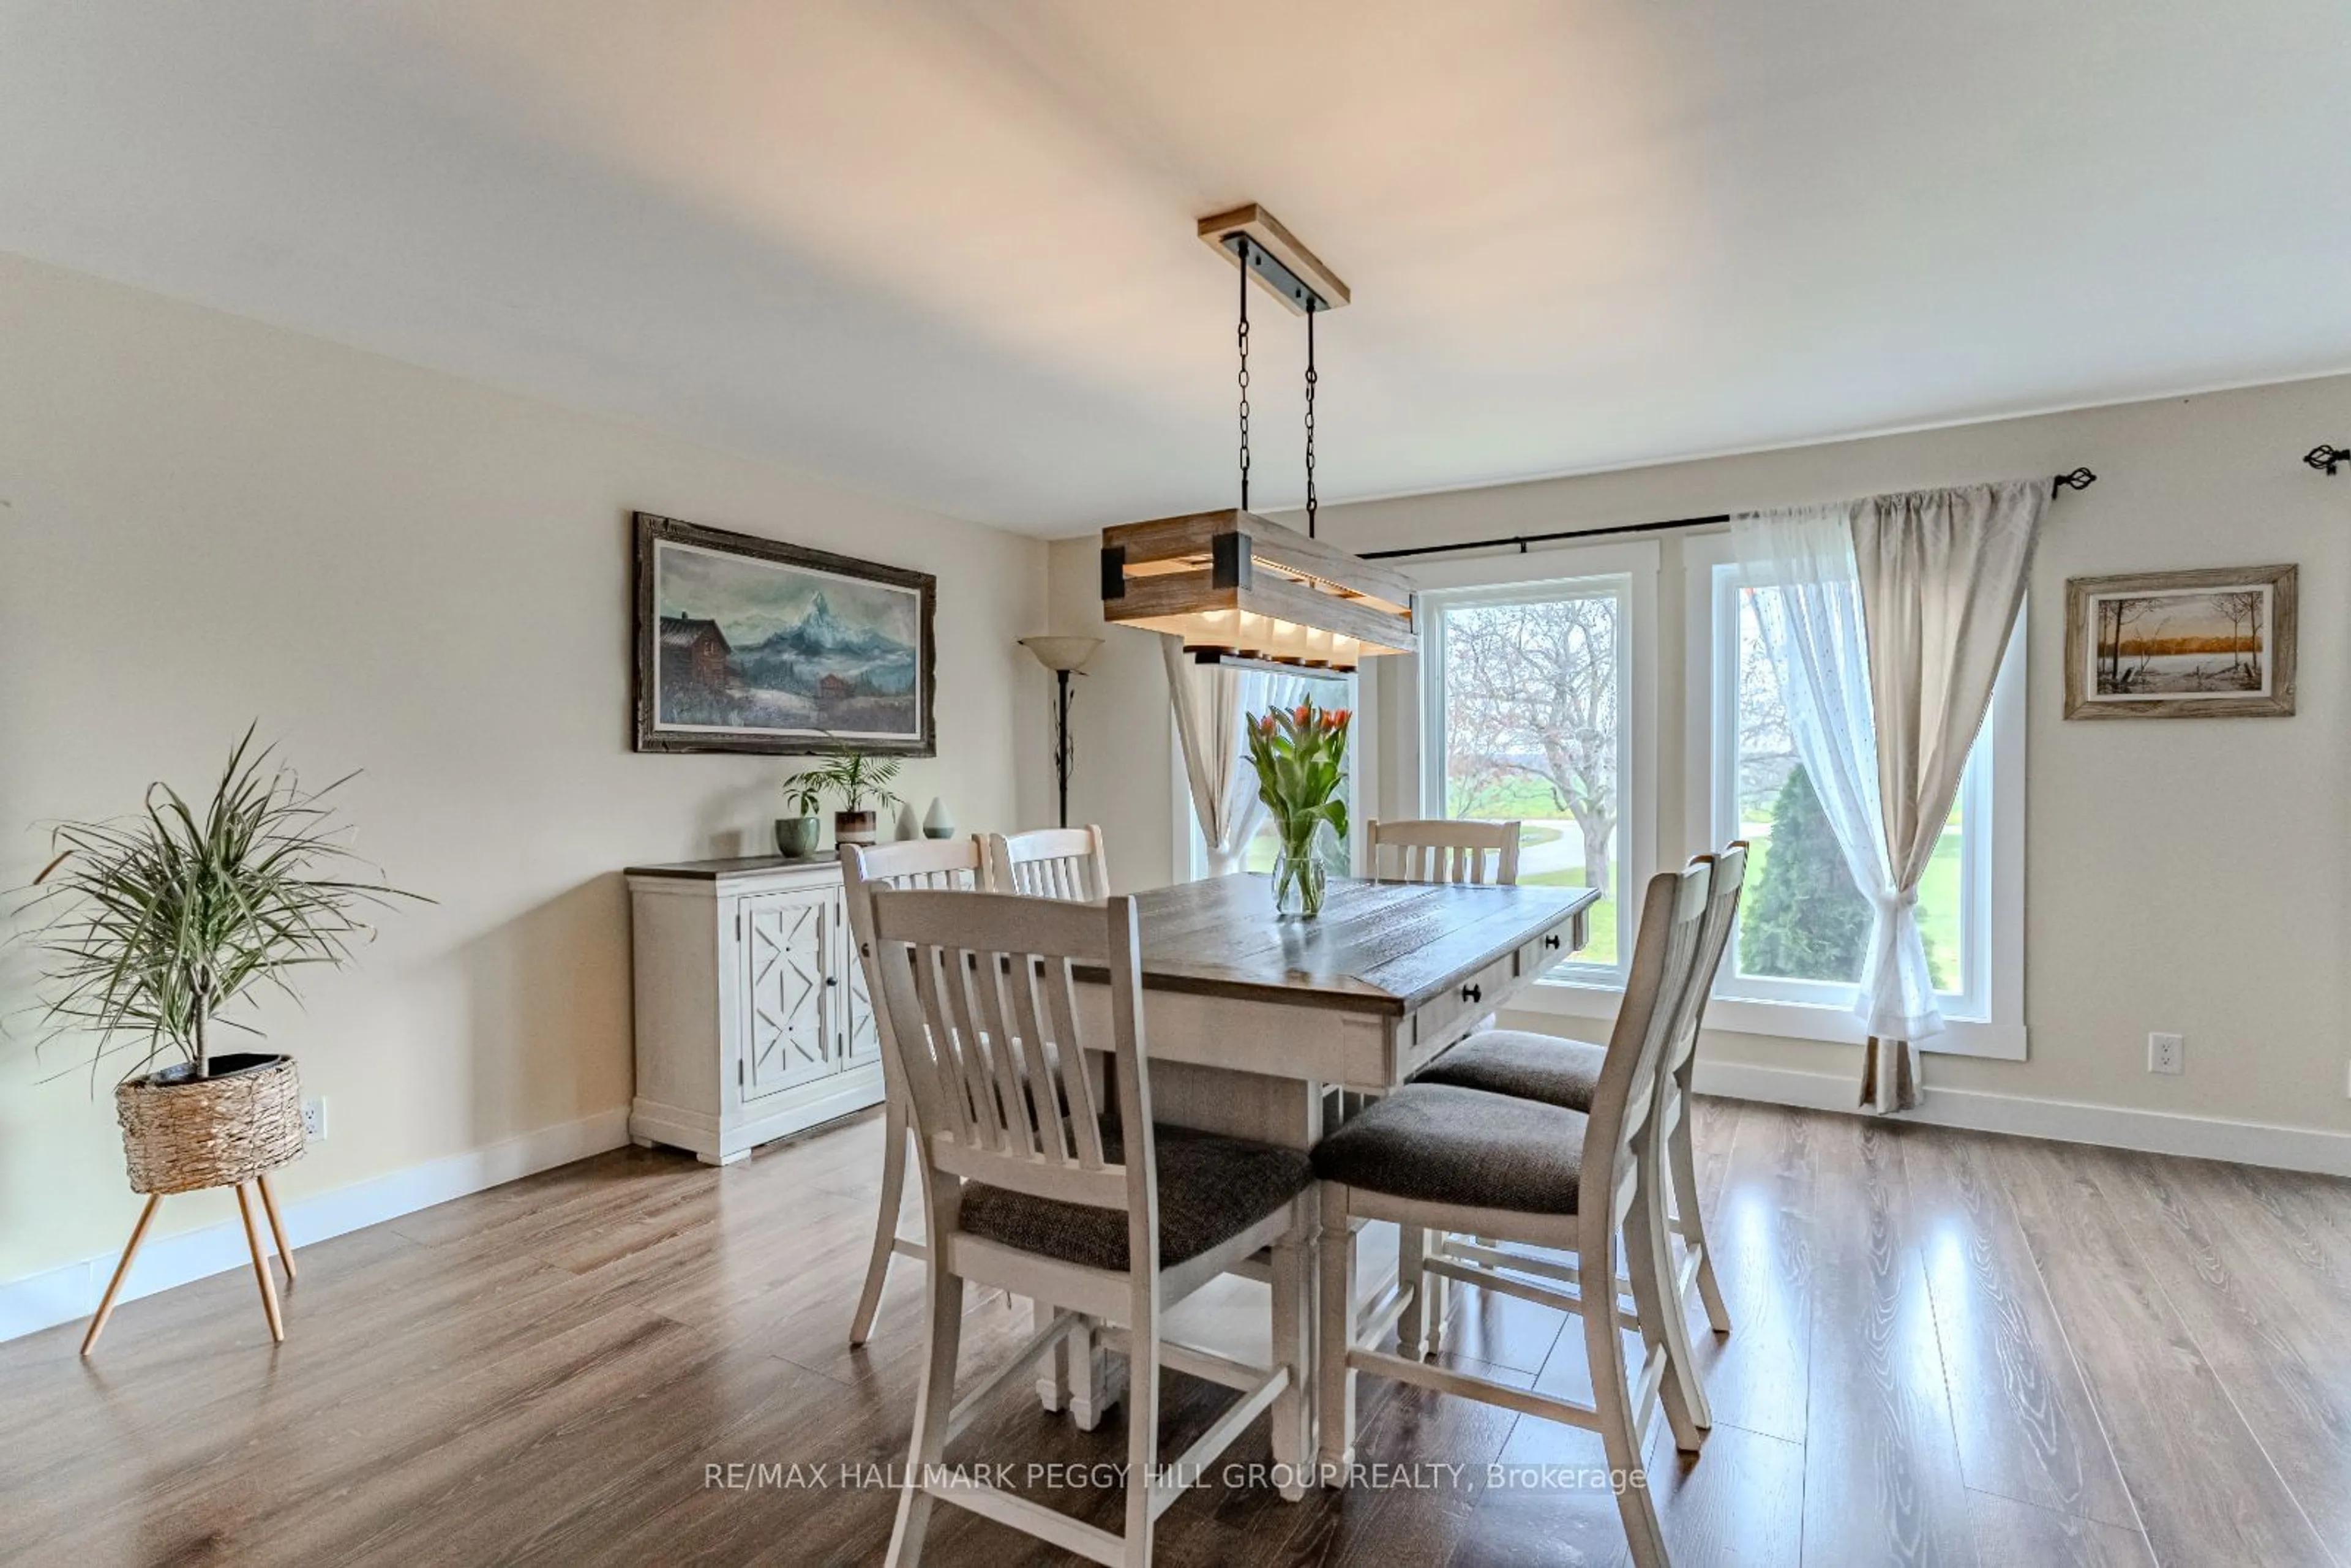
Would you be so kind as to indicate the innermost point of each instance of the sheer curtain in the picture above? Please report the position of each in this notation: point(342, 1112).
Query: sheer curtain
point(1885, 620)
point(1210, 702)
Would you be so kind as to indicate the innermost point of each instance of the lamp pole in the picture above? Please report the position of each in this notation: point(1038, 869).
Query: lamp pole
point(1062, 742)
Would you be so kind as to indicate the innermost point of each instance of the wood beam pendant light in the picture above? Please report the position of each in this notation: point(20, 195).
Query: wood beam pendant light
point(1242, 589)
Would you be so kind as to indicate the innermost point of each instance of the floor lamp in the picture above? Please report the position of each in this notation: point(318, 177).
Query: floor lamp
point(1065, 656)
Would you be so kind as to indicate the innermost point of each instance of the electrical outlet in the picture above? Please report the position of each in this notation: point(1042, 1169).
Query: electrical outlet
point(2165, 1052)
point(314, 1119)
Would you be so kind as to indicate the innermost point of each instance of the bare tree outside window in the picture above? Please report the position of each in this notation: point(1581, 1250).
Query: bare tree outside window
point(1534, 731)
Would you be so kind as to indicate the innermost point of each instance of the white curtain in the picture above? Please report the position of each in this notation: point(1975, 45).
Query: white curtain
point(1886, 619)
point(1210, 702)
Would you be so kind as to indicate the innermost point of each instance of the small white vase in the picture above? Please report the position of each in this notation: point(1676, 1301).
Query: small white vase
point(936, 824)
point(907, 828)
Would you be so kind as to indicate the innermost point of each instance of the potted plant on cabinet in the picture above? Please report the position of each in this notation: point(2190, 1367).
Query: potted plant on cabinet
point(796, 835)
point(155, 929)
point(862, 784)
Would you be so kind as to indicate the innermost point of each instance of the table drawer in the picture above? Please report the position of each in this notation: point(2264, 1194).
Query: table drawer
point(1551, 948)
point(1446, 1015)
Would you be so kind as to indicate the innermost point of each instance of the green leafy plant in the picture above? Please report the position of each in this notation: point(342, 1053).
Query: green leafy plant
point(852, 776)
point(803, 792)
point(153, 924)
point(1300, 757)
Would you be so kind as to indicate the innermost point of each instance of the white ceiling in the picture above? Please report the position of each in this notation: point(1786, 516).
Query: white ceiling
point(944, 251)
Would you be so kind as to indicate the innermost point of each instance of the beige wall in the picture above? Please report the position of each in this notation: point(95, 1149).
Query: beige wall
point(2188, 876)
point(204, 521)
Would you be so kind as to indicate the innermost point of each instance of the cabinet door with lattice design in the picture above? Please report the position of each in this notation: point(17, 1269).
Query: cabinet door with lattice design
point(861, 1041)
point(787, 954)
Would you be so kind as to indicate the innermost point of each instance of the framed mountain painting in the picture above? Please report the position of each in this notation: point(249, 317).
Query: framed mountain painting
point(749, 644)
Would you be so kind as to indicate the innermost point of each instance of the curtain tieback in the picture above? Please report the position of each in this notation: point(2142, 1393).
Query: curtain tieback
point(1899, 898)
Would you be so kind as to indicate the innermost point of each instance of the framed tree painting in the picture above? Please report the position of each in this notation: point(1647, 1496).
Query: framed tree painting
point(748, 644)
point(2181, 644)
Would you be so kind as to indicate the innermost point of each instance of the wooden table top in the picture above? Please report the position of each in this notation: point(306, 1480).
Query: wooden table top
point(1378, 946)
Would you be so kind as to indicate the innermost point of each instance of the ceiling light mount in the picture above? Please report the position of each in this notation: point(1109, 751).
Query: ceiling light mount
point(1253, 240)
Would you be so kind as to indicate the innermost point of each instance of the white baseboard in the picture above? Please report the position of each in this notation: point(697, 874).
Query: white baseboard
point(2112, 1126)
point(62, 1294)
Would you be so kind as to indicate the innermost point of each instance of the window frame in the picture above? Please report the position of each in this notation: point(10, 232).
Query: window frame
point(1628, 570)
point(1986, 1017)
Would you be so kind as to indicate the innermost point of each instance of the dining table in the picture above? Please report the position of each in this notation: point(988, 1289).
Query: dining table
point(1271, 1026)
point(1254, 1020)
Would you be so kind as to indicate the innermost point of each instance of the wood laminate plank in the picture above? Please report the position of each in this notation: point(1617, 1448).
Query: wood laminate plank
point(2204, 1489)
point(2260, 1321)
point(1762, 1228)
point(2027, 1428)
point(1881, 1456)
point(2011, 1532)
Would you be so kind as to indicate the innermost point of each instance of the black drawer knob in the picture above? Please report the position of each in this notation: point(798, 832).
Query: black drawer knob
point(1473, 994)
point(1552, 940)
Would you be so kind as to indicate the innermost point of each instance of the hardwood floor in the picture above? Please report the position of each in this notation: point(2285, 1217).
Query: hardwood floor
point(1951, 1348)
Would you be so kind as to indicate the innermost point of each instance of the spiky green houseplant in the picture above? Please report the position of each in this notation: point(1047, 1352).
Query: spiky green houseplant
point(156, 923)
point(854, 779)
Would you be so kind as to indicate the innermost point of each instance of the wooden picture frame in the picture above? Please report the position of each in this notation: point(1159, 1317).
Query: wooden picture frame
point(750, 644)
point(2214, 643)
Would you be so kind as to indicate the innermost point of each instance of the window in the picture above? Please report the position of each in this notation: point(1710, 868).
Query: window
point(1797, 953)
point(1804, 925)
point(1527, 692)
point(1261, 690)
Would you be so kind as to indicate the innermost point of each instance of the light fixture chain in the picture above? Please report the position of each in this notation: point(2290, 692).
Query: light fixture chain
point(1312, 505)
point(1243, 338)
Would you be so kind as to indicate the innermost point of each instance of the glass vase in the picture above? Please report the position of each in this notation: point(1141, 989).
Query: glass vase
point(1302, 873)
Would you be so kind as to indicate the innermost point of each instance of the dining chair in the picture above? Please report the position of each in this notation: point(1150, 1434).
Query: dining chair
point(1117, 1220)
point(1437, 1156)
point(1565, 1072)
point(1050, 862)
point(955, 864)
point(1444, 849)
point(1065, 863)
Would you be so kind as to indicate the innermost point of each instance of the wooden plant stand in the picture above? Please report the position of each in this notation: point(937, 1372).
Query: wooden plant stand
point(185, 1134)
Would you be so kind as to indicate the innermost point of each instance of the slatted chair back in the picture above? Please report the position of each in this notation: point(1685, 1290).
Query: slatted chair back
point(1714, 940)
point(939, 864)
point(983, 1006)
point(1620, 1136)
point(1050, 862)
point(1442, 849)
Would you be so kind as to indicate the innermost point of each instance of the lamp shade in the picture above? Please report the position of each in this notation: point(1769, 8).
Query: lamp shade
point(1062, 652)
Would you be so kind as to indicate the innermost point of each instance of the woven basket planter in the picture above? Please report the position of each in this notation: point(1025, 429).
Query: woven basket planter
point(181, 1132)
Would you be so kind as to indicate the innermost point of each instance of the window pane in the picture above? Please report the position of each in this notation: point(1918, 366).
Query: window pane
point(1532, 732)
point(1801, 918)
point(1261, 693)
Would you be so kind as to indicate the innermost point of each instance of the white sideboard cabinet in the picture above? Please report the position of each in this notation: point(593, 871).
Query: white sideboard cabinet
point(752, 1020)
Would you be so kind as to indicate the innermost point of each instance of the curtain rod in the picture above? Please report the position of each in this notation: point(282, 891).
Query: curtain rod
point(2078, 479)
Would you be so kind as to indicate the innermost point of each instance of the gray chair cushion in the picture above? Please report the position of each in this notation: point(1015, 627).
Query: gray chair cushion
point(1210, 1190)
point(1436, 1143)
point(1562, 1073)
